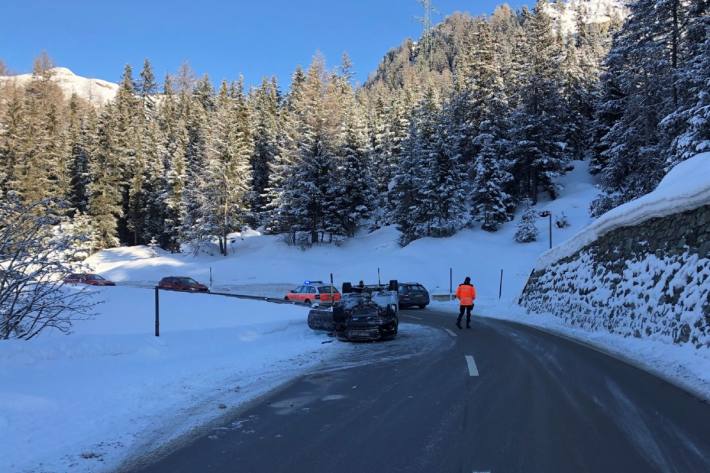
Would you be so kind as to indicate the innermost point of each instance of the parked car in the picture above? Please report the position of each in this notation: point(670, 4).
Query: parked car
point(314, 292)
point(90, 279)
point(182, 283)
point(413, 294)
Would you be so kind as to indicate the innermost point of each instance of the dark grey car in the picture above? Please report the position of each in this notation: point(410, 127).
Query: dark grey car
point(413, 294)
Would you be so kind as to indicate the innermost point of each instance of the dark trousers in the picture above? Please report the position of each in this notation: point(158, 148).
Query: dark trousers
point(467, 309)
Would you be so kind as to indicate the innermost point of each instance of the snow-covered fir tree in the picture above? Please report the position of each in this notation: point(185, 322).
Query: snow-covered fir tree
point(527, 230)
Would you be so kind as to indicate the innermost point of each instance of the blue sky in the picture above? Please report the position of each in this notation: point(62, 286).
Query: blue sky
point(257, 38)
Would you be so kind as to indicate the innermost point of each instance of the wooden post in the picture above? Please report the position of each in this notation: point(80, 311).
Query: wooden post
point(378, 277)
point(157, 311)
point(500, 287)
point(210, 277)
point(550, 216)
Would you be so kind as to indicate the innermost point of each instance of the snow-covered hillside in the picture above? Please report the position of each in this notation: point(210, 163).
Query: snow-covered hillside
point(566, 14)
point(96, 91)
point(257, 260)
point(685, 187)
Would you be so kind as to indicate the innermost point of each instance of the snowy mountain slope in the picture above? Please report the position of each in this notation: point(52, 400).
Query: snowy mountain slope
point(96, 91)
point(565, 15)
point(264, 261)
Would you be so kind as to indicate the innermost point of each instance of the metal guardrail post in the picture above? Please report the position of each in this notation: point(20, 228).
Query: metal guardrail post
point(157, 311)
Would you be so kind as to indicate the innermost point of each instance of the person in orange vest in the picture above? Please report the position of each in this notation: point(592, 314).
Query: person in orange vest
point(466, 294)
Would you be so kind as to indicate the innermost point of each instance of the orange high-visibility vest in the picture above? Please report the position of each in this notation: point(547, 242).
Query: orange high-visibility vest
point(466, 294)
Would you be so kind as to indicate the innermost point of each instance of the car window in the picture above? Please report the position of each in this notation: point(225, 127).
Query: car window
point(298, 290)
point(311, 290)
point(187, 281)
point(327, 289)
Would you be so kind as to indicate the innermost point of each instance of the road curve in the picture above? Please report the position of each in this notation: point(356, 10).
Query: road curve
point(501, 397)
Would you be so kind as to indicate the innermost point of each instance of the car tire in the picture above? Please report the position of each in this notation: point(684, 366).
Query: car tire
point(307, 302)
point(422, 306)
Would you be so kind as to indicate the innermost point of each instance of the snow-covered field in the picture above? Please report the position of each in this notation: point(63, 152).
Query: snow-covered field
point(84, 402)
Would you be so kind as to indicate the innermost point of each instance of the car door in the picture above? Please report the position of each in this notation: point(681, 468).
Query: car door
point(296, 294)
point(310, 295)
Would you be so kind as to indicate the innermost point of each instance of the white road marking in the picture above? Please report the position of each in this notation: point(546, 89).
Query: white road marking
point(450, 332)
point(472, 368)
point(481, 472)
point(413, 317)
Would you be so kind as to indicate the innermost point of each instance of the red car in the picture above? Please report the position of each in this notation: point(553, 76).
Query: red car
point(88, 278)
point(314, 292)
point(181, 283)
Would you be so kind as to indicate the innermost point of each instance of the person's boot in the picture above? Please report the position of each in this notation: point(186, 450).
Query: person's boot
point(468, 325)
point(458, 324)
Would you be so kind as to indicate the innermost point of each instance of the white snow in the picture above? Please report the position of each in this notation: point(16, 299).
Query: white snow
point(685, 187)
point(564, 14)
point(266, 265)
point(111, 388)
point(96, 91)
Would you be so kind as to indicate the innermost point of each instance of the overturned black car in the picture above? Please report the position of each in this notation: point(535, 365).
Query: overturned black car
point(356, 318)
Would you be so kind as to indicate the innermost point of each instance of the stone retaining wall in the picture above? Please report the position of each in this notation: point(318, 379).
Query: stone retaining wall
point(649, 280)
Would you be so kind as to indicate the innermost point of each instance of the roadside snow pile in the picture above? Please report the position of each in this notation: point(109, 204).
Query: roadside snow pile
point(685, 187)
point(86, 401)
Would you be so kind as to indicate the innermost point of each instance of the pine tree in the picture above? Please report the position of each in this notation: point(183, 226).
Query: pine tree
point(82, 141)
point(492, 204)
point(536, 131)
point(105, 199)
point(147, 88)
point(224, 195)
point(352, 191)
point(527, 230)
point(419, 172)
point(173, 150)
point(265, 105)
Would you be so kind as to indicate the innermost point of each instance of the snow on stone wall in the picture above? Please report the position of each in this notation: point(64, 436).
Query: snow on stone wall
point(642, 270)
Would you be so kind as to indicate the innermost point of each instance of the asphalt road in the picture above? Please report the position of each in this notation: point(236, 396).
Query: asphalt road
point(497, 398)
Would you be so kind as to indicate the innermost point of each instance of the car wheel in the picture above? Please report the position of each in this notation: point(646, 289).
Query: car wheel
point(422, 306)
point(307, 302)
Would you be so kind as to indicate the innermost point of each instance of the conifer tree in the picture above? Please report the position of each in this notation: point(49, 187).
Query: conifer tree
point(105, 199)
point(527, 230)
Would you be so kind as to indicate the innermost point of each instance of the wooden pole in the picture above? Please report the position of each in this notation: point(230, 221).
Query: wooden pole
point(550, 217)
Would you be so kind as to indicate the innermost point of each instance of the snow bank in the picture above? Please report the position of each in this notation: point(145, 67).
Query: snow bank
point(685, 187)
point(84, 402)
